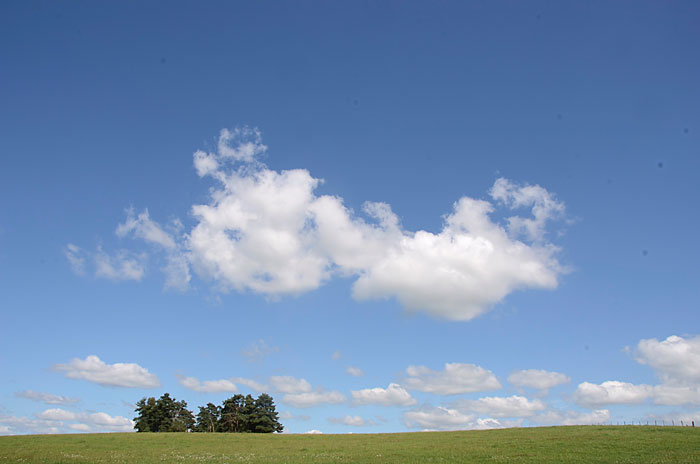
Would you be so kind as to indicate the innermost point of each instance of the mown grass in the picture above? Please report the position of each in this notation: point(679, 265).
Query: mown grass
point(585, 444)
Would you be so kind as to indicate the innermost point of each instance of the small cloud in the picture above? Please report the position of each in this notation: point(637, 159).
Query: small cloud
point(512, 406)
point(455, 379)
point(538, 379)
point(258, 351)
point(313, 398)
point(289, 384)
point(47, 398)
point(355, 421)
point(286, 415)
point(354, 371)
point(208, 386)
point(336, 355)
point(76, 258)
point(124, 265)
point(393, 395)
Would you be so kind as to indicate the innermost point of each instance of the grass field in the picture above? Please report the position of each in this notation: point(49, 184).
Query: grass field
point(584, 444)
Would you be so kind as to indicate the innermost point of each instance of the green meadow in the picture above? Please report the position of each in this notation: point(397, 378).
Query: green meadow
point(578, 444)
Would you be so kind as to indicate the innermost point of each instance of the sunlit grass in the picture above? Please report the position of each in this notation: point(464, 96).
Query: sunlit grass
point(586, 444)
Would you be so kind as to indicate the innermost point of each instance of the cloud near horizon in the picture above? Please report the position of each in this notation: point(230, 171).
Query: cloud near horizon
point(267, 232)
point(676, 363)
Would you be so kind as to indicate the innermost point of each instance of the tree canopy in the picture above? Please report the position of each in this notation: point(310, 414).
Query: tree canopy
point(237, 414)
point(164, 414)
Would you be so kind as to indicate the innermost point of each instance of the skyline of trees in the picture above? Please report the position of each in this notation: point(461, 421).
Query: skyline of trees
point(237, 414)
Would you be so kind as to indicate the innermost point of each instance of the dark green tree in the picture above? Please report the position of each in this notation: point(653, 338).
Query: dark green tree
point(146, 420)
point(163, 415)
point(238, 414)
point(264, 418)
point(208, 418)
point(233, 418)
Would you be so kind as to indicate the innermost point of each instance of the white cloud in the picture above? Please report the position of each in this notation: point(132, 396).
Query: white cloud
point(93, 369)
point(252, 384)
point(286, 415)
point(675, 360)
point(208, 386)
point(313, 398)
point(100, 421)
point(441, 418)
point(555, 417)
point(354, 371)
point(177, 268)
point(79, 427)
point(289, 384)
point(57, 414)
point(241, 144)
point(221, 385)
point(393, 395)
point(456, 378)
point(611, 392)
point(543, 204)
point(538, 379)
point(258, 351)
point(675, 396)
point(256, 235)
point(124, 265)
point(461, 272)
point(355, 421)
point(25, 425)
point(512, 406)
point(76, 258)
point(107, 422)
point(313, 432)
point(437, 418)
point(143, 227)
point(268, 232)
point(47, 398)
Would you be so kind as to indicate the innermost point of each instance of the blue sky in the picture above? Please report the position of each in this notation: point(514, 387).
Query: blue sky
point(390, 216)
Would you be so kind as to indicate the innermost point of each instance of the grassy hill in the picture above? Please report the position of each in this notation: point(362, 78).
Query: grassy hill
point(584, 444)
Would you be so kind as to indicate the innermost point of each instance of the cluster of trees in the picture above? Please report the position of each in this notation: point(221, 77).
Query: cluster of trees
point(238, 414)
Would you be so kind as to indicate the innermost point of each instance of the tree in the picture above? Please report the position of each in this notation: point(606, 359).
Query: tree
point(146, 420)
point(163, 415)
point(238, 414)
point(233, 415)
point(208, 418)
point(264, 418)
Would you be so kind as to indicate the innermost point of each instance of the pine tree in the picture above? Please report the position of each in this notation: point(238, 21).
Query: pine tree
point(232, 418)
point(264, 418)
point(163, 415)
point(208, 418)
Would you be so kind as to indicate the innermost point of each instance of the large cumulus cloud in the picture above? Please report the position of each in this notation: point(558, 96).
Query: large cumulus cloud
point(268, 232)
